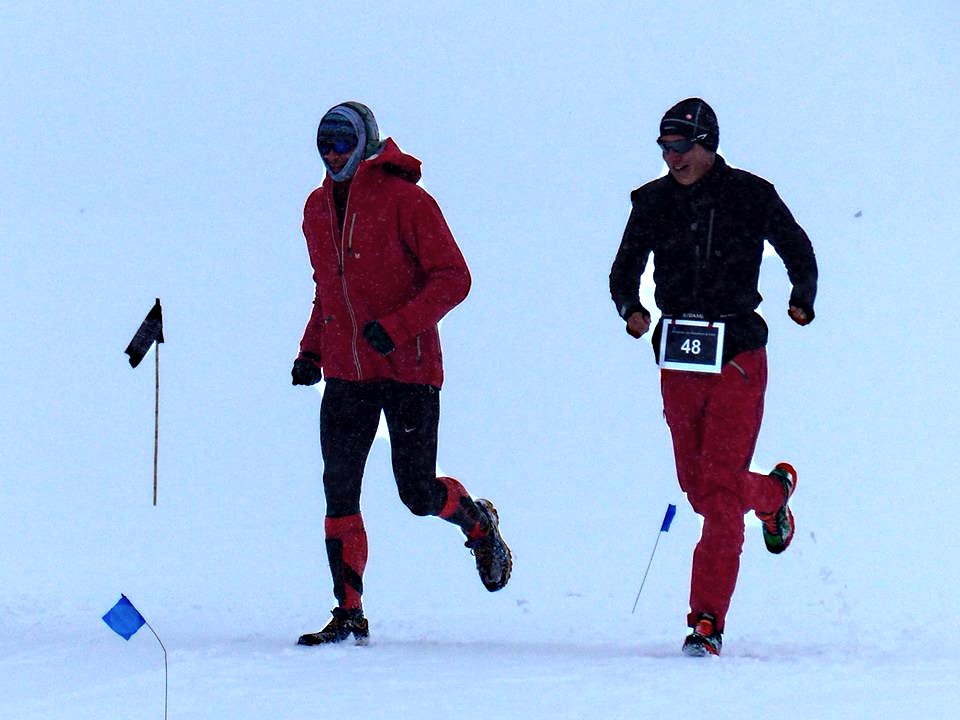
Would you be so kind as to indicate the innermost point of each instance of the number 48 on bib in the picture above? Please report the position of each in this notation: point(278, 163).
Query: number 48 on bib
point(692, 345)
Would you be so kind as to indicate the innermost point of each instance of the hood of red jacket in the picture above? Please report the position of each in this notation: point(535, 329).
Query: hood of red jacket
point(390, 159)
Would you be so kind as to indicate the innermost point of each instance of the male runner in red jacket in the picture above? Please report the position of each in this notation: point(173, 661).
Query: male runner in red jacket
point(386, 269)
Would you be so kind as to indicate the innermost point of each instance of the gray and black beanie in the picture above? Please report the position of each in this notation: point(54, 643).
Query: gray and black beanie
point(691, 118)
point(355, 120)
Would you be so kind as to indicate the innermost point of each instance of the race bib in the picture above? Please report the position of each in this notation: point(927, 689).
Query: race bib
point(692, 345)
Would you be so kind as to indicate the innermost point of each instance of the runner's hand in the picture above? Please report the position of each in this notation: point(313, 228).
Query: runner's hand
point(638, 324)
point(800, 317)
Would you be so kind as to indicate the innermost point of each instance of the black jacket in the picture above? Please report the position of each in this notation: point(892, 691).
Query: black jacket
point(707, 242)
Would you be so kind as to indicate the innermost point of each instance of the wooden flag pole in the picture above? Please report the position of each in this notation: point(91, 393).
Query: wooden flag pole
point(148, 334)
point(156, 422)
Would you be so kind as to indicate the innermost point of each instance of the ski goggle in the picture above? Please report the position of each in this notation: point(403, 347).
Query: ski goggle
point(339, 145)
point(681, 146)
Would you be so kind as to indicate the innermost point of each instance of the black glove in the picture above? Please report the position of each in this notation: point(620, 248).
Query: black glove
point(306, 369)
point(374, 334)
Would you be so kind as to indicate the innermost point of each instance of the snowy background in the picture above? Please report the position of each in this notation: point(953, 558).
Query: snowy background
point(166, 151)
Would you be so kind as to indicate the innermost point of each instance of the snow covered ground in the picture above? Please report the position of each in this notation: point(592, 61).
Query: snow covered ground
point(166, 151)
point(413, 675)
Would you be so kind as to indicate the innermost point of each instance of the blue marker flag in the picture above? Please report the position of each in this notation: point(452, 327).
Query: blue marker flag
point(664, 527)
point(668, 518)
point(124, 619)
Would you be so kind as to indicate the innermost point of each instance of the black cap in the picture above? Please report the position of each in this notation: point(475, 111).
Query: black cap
point(692, 118)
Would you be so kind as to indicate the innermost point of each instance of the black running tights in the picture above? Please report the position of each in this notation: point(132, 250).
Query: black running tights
point(349, 416)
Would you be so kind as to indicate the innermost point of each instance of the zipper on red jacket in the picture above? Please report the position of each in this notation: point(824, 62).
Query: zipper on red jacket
point(334, 233)
point(353, 221)
point(341, 270)
point(346, 294)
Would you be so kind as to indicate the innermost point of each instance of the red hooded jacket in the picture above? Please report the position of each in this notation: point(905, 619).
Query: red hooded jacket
point(395, 262)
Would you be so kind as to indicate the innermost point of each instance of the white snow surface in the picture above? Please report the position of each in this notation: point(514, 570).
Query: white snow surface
point(165, 150)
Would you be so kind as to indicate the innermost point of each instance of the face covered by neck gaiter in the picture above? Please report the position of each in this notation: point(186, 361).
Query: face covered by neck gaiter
point(340, 123)
point(350, 119)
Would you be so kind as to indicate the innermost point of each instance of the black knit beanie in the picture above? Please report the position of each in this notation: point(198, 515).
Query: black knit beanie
point(691, 118)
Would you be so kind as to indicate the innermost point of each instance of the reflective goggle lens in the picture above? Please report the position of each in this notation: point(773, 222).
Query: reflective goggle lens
point(338, 145)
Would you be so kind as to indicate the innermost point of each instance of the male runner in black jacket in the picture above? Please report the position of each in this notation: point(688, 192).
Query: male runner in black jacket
point(706, 224)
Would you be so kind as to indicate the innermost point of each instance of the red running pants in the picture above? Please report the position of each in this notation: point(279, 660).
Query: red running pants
point(714, 421)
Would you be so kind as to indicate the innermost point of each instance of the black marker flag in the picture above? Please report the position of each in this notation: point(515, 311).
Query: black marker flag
point(149, 332)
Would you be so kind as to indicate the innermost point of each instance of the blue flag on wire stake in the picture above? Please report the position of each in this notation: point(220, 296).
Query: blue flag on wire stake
point(668, 518)
point(664, 527)
point(124, 619)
